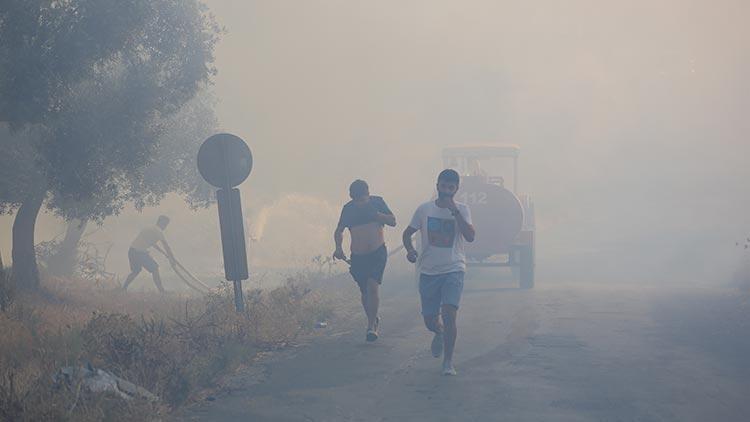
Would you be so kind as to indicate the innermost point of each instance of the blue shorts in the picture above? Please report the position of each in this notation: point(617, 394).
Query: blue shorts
point(440, 289)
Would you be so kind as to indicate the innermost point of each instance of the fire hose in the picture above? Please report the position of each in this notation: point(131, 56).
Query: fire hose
point(390, 254)
point(179, 269)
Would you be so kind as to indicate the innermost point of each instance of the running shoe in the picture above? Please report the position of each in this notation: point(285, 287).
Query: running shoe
point(449, 370)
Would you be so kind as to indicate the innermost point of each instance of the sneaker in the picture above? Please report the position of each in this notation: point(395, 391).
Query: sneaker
point(437, 345)
point(449, 370)
point(372, 335)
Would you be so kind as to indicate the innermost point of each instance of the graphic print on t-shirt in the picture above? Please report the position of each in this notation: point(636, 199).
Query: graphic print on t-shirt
point(441, 232)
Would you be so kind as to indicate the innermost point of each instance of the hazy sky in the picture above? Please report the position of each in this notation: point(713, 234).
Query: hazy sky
point(631, 116)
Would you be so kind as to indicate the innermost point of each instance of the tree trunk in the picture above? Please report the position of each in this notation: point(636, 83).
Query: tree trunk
point(25, 271)
point(63, 263)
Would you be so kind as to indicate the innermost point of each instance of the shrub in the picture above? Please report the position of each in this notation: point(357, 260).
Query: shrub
point(174, 347)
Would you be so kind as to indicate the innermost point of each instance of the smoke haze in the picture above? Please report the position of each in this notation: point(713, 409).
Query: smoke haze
point(631, 118)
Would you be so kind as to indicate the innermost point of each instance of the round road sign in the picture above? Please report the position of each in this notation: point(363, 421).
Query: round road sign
point(224, 160)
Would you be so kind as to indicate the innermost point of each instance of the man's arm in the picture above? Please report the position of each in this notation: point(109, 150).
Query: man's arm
point(411, 253)
point(338, 235)
point(414, 226)
point(338, 238)
point(384, 214)
point(406, 238)
point(467, 230)
point(387, 219)
point(168, 250)
point(465, 227)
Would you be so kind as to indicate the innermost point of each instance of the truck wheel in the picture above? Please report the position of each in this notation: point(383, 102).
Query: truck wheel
point(515, 269)
point(526, 276)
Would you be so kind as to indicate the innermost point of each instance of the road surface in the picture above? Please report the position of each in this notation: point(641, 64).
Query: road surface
point(562, 352)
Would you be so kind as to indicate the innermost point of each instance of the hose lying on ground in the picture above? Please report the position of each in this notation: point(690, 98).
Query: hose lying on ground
point(179, 269)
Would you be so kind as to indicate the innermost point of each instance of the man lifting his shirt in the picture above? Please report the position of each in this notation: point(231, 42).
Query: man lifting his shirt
point(365, 216)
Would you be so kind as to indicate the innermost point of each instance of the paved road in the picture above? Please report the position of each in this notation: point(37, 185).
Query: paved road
point(562, 352)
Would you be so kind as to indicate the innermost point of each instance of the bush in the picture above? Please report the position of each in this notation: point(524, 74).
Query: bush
point(7, 287)
point(174, 347)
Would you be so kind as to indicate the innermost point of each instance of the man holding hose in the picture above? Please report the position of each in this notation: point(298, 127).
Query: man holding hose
point(138, 253)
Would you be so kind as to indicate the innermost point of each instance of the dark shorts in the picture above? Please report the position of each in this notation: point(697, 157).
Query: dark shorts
point(370, 266)
point(140, 259)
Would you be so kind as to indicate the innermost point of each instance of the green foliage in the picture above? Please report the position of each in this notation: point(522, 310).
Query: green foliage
point(98, 82)
point(48, 48)
point(102, 82)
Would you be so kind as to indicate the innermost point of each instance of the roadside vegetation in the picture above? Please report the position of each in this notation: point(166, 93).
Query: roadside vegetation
point(176, 347)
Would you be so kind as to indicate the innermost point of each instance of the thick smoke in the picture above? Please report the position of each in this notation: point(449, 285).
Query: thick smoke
point(631, 118)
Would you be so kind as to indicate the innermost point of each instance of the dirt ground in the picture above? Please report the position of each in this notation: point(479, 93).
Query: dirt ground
point(563, 352)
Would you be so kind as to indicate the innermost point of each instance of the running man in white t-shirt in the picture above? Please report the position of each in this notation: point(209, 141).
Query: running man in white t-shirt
point(444, 225)
point(140, 258)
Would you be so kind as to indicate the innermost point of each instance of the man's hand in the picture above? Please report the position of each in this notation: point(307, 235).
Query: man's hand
point(412, 255)
point(371, 212)
point(452, 205)
point(387, 219)
point(466, 229)
point(339, 254)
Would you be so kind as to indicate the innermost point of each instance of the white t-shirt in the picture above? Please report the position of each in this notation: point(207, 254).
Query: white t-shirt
point(442, 242)
point(147, 238)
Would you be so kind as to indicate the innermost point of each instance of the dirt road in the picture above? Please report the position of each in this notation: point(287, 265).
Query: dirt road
point(562, 352)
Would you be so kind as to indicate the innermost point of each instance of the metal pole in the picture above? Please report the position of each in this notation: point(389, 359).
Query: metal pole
point(216, 166)
point(239, 302)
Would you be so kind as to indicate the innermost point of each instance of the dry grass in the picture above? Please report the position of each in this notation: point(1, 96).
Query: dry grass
point(7, 287)
point(175, 346)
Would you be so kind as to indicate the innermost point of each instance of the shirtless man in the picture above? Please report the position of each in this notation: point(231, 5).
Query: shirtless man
point(365, 216)
point(138, 253)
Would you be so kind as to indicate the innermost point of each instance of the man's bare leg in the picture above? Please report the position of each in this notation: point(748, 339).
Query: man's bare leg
point(449, 314)
point(432, 322)
point(157, 280)
point(372, 302)
point(130, 279)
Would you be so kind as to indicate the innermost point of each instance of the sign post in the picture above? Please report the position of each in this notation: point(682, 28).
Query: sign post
point(225, 161)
